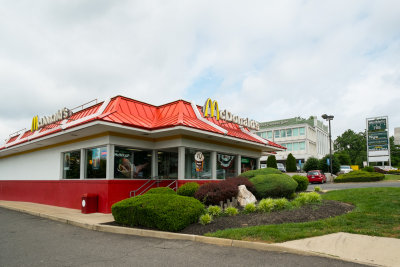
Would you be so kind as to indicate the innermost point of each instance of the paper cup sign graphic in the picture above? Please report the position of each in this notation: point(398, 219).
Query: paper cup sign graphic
point(199, 159)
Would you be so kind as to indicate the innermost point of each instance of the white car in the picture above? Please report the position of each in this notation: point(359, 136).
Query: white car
point(281, 167)
point(345, 169)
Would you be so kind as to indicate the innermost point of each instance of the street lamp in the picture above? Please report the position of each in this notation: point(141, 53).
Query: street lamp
point(329, 118)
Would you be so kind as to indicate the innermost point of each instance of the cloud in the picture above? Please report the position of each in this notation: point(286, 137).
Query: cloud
point(265, 60)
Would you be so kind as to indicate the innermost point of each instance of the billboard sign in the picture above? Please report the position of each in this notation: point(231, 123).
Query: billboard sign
point(378, 149)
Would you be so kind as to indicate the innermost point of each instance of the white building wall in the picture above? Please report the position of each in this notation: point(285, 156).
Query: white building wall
point(42, 164)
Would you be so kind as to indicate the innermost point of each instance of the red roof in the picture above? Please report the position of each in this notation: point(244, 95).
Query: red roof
point(130, 112)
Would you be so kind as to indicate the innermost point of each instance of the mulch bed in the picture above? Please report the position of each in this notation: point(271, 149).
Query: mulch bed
point(312, 212)
point(326, 209)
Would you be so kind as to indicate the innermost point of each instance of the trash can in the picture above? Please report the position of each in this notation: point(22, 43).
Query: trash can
point(89, 203)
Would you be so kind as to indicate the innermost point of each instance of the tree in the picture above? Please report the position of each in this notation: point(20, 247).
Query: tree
point(394, 152)
point(344, 157)
point(311, 164)
point(271, 162)
point(323, 164)
point(291, 163)
point(355, 144)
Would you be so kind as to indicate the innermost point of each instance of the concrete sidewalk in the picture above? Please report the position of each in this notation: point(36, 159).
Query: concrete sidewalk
point(377, 251)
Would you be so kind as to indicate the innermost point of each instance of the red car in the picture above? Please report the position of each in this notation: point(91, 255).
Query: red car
point(316, 177)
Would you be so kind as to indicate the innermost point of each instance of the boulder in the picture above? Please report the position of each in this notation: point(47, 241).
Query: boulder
point(245, 196)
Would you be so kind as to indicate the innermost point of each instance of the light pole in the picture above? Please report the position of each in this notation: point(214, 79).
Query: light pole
point(329, 118)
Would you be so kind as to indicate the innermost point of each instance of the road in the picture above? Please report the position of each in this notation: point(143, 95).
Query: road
point(28, 240)
point(332, 186)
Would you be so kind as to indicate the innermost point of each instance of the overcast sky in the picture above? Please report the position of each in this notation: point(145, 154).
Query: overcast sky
point(266, 60)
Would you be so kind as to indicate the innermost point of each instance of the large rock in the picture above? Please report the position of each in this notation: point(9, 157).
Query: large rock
point(245, 196)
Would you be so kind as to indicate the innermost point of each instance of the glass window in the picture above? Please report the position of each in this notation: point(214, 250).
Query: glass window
point(289, 146)
point(71, 164)
point(295, 146)
point(96, 161)
point(248, 164)
point(289, 132)
point(264, 134)
point(197, 164)
point(277, 133)
point(226, 166)
point(302, 146)
point(168, 165)
point(269, 134)
point(302, 131)
point(295, 132)
point(132, 163)
point(283, 133)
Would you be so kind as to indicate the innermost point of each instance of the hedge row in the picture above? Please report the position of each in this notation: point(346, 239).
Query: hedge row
point(359, 176)
point(167, 212)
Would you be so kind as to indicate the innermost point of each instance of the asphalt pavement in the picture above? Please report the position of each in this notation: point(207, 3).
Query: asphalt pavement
point(35, 241)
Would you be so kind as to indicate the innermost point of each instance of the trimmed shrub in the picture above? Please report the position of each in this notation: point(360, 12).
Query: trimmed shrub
point(317, 189)
point(264, 171)
point(359, 176)
point(167, 212)
point(368, 169)
point(214, 210)
point(302, 182)
point(250, 208)
point(205, 219)
point(266, 205)
point(213, 193)
point(379, 170)
point(271, 162)
point(281, 204)
point(395, 172)
point(311, 164)
point(291, 163)
point(161, 190)
point(236, 181)
point(274, 185)
point(188, 189)
point(231, 211)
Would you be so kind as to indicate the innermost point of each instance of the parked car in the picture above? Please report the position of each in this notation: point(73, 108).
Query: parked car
point(281, 167)
point(345, 169)
point(316, 176)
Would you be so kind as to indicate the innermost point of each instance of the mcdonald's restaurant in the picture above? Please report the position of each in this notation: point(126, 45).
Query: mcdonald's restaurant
point(122, 147)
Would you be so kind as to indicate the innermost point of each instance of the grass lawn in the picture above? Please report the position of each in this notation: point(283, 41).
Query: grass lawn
point(392, 177)
point(377, 213)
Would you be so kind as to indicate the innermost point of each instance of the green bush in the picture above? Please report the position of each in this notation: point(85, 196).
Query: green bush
point(250, 208)
point(291, 163)
point(205, 219)
point(214, 210)
point(302, 182)
point(165, 212)
point(281, 204)
point(274, 185)
point(359, 176)
point(396, 172)
point(266, 205)
point(306, 198)
point(311, 164)
point(368, 169)
point(271, 162)
point(317, 189)
point(161, 190)
point(323, 165)
point(188, 189)
point(264, 171)
point(231, 211)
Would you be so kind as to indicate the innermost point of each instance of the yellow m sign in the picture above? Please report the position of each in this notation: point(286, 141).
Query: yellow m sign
point(211, 109)
point(35, 124)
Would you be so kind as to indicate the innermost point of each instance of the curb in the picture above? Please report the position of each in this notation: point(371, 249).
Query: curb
point(169, 235)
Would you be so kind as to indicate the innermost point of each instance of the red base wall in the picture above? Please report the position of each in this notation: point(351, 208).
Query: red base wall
point(68, 193)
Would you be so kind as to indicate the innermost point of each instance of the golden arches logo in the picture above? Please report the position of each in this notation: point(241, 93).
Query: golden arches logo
point(35, 123)
point(212, 108)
